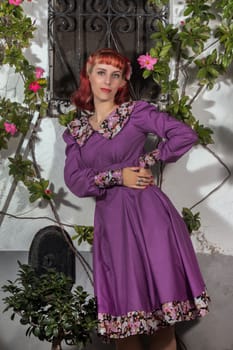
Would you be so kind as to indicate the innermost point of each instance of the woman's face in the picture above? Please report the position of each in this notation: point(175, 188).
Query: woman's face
point(105, 81)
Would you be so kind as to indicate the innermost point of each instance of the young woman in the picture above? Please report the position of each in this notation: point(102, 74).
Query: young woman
point(146, 276)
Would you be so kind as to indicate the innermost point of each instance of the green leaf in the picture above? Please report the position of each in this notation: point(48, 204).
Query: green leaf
point(55, 332)
point(213, 72)
point(188, 10)
point(202, 73)
point(36, 331)
point(204, 133)
point(34, 197)
point(165, 50)
point(84, 234)
point(192, 220)
point(146, 73)
point(65, 119)
point(21, 169)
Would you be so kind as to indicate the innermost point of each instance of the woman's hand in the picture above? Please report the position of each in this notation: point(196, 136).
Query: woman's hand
point(137, 177)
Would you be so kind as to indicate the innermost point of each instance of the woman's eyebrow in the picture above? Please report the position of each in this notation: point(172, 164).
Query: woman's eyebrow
point(115, 71)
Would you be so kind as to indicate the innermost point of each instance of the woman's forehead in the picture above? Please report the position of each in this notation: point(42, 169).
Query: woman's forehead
point(104, 66)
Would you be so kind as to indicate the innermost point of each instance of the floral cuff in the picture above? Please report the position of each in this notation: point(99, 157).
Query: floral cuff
point(109, 178)
point(149, 159)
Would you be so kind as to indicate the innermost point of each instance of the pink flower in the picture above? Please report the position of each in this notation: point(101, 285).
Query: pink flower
point(146, 61)
point(10, 128)
point(182, 23)
point(39, 72)
point(15, 2)
point(48, 192)
point(34, 86)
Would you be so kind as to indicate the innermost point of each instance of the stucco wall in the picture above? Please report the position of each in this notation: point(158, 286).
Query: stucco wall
point(186, 182)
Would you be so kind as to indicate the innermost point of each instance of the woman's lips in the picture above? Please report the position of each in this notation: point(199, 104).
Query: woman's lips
point(107, 91)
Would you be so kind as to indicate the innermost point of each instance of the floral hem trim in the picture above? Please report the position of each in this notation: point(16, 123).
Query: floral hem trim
point(149, 159)
point(141, 322)
point(109, 178)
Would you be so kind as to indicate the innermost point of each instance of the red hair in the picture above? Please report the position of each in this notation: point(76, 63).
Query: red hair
point(82, 97)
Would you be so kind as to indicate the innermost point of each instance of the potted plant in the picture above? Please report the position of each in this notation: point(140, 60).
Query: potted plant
point(50, 307)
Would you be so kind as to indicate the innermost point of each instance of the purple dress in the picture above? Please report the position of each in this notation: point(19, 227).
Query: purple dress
point(146, 274)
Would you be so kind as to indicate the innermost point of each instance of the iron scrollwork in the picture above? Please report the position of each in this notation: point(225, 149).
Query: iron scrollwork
point(79, 27)
point(63, 13)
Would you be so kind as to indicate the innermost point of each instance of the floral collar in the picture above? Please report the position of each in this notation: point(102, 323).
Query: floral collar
point(81, 129)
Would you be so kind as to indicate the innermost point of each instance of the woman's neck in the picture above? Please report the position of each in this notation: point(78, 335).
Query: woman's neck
point(102, 110)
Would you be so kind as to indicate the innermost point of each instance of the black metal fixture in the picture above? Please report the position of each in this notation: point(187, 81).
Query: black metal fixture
point(51, 248)
point(80, 27)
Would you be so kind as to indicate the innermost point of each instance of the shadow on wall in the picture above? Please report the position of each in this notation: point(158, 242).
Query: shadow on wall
point(209, 175)
point(40, 15)
point(225, 137)
point(3, 346)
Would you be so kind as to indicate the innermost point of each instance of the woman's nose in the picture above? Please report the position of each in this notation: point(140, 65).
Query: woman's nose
point(107, 79)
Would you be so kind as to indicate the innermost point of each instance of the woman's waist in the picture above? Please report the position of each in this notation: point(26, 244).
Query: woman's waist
point(123, 193)
point(120, 165)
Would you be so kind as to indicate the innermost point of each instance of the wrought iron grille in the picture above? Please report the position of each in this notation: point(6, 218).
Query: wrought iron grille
point(80, 27)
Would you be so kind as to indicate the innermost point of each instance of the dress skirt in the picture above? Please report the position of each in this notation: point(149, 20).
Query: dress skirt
point(146, 274)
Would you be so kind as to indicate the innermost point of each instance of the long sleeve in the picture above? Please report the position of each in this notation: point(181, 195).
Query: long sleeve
point(176, 137)
point(79, 180)
point(86, 182)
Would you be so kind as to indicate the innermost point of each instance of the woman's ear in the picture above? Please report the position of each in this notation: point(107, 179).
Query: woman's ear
point(123, 83)
point(88, 69)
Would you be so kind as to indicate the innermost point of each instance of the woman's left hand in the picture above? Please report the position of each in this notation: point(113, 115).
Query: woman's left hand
point(145, 176)
point(137, 177)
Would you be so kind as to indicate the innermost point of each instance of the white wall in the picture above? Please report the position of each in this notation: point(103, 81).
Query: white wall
point(214, 109)
point(201, 171)
point(49, 152)
point(186, 182)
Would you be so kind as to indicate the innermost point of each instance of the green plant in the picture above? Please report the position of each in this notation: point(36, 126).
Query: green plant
point(50, 308)
point(192, 220)
point(200, 48)
point(16, 32)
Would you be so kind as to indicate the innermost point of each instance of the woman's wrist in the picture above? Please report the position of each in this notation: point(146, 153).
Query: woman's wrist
point(149, 159)
point(109, 178)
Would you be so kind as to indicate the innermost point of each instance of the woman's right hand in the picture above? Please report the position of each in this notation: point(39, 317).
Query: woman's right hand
point(137, 177)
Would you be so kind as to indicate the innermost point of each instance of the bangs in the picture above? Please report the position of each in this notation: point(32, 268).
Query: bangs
point(113, 60)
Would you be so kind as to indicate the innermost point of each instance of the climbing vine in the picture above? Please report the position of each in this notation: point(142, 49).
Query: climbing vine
point(198, 49)
point(16, 32)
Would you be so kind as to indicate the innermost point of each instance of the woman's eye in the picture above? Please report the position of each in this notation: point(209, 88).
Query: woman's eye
point(100, 72)
point(116, 75)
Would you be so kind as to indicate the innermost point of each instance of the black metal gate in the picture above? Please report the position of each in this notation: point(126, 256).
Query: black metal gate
point(80, 27)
